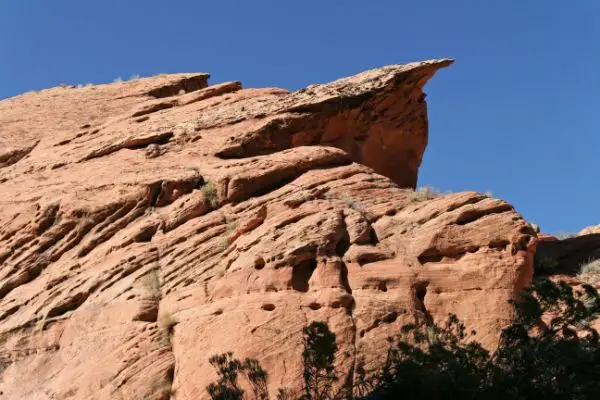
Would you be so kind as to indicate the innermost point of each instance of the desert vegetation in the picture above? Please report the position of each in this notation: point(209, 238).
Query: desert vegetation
point(210, 193)
point(424, 193)
point(545, 264)
point(549, 351)
point(590, 272)
point(166, 323)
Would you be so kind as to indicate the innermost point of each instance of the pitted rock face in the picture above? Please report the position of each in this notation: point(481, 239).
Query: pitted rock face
point(147, 225)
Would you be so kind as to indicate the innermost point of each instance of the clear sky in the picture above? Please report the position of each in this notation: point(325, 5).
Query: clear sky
point(518, 114)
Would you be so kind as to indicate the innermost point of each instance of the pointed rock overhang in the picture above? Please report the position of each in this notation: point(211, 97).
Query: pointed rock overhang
point(383, 110)
point(378, 117)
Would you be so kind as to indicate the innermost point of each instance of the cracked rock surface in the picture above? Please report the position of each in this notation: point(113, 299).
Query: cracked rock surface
point(147, 225)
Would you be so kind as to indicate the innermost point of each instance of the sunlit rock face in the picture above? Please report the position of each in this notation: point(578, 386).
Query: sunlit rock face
point(149, 224)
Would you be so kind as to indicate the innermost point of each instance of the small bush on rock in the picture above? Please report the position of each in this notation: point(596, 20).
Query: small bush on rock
point(166, 323)
point(151, 283)
point(544, 264)
point(424, 193)
point(210, 193)
point(590, 272)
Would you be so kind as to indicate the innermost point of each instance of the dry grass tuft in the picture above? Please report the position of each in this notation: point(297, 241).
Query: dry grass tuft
point(210, 193)
point(589, 272)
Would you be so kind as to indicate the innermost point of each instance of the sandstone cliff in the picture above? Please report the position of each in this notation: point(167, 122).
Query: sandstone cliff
point(146, 225)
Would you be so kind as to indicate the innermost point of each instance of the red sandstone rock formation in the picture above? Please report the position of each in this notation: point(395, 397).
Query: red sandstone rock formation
point(147, 225)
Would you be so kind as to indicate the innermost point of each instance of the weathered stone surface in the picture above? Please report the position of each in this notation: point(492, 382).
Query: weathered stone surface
point(230, 218)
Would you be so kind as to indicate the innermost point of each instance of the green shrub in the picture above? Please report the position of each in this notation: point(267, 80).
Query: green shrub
point(536, 358)
point(319, 375)
point(544, 264)
point(318, 358)
point(229, 369)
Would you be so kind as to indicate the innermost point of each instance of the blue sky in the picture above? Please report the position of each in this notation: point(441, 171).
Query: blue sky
point(517, 114)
